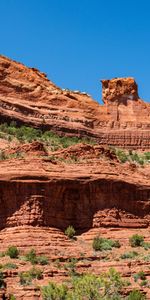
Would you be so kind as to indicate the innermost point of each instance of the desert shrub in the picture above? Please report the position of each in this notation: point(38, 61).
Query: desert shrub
point(2, 254)
point(71, 266)
point(12, 297)
point(36, 273)
point(136, 295)
point(42, 260)
point(122, 156)
point(27, 277)
point(146, 245)
point(12, 252)
point(3, 156)
point(129, 255)
point(147, 156)
point(31, 257)
point(136, 240)
point(100, 244)
point(139, 275)
point(54, 292)
point(147, 257)
point(34, 259)
point(144, 282)
point(70, 232)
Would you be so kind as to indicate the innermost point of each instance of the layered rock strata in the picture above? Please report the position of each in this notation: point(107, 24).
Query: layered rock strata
point(27, 96)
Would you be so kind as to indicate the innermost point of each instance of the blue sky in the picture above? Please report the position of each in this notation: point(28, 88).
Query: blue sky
point(79, 42)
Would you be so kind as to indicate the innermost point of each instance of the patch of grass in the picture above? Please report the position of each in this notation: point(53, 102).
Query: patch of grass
point(100, 244)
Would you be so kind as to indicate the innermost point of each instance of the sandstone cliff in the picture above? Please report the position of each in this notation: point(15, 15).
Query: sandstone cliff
point(27, 96)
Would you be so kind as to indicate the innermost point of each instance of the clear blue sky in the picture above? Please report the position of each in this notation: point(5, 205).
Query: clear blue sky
point(79, 42)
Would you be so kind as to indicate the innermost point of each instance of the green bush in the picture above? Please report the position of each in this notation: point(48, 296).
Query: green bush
point(136, 295)
point(129, 255)
point(136, 240)
point(100, 244)
point(70, 232)
point(12, 252)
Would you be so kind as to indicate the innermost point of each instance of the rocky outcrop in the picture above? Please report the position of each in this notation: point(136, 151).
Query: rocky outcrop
point(27, 96)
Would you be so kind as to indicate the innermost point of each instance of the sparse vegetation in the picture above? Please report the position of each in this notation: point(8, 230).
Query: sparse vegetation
point(70, 232)
point(32, 257)
point(30, 134)
point(132, 156)
point(88, 286)
point(100, 244)
point(12, 252)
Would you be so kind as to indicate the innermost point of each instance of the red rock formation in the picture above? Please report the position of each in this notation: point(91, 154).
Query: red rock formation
point(86, 194)
point(27, 96)
point(82, 185)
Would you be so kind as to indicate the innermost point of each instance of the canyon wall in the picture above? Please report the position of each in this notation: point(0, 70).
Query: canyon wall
point(77, 196)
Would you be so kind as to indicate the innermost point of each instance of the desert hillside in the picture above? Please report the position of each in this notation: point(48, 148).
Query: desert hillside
point(75, 189)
